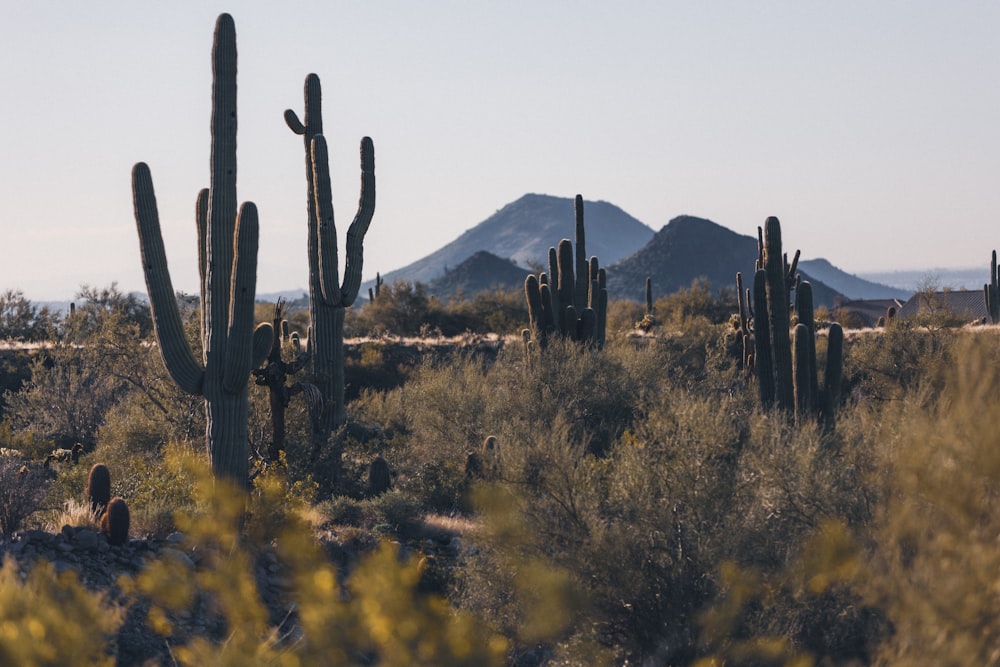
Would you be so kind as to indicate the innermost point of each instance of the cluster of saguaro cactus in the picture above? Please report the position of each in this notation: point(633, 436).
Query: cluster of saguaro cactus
point(328, 297)
point(227, 259)
point(785, 364)
point(992, 291)
point(571, 300)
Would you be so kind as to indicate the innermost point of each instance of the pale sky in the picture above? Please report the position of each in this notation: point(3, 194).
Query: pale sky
point(870, 128)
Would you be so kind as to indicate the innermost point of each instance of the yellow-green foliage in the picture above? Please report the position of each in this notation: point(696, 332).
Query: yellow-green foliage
point(380, 614)
point(49, 619)
point(938, 556)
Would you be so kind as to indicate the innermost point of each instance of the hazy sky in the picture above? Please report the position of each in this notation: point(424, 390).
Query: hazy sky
point(870, 128)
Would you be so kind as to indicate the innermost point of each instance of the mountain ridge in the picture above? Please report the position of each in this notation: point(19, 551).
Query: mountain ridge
point(524, 229)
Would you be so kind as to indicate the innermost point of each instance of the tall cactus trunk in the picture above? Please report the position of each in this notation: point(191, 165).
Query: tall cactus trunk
point(328, 367)
point(778, 319)
point(227, 259)
point(226, 428)
point(328, 297)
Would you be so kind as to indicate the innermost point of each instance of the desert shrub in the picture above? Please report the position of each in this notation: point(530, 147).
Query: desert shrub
point(66, 400)
point(497, 311)
point(341, 510)
point(889, 364)
point(623, 314)
point(22, 492)
point(396, 509)
point(401, 308)
point(15, 371)
point(100, 305)
point(696, 480)
point(936, 560)
point(75, 385)
point(30, 446)
point(21, 320)
point(698, 302)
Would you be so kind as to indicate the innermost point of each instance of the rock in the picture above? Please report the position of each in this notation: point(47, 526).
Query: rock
point(178, 556)
point(88, 539)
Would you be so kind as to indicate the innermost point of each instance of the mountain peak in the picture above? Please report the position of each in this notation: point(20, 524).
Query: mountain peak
point(526, 228)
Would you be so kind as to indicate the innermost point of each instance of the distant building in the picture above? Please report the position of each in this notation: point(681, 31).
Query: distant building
point(864, 312)
point(964, 305)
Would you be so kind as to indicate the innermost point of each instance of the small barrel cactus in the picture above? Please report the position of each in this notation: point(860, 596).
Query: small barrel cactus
point(99, 488)
point(379, 477)
point(115, 522)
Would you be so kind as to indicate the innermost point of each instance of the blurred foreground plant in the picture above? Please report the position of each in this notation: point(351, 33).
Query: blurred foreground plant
point(377, 617)
point(51, 619)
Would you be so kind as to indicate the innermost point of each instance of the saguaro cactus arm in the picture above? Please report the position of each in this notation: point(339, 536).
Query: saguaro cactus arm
point(240, 346)
point(326, 235)
point(359, 226)
point(326, 230)
point(186, 371)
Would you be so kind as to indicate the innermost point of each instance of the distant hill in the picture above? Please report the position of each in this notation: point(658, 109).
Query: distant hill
point(481, 272)
point(851, 286)
point(688, 248)
point(524, 230)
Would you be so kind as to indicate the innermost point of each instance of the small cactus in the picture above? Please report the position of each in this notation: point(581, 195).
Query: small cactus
point(490, 457)
point(379, 477)
point(115, 522)
point(992, 291)
point(99, 488)
point(473, 465)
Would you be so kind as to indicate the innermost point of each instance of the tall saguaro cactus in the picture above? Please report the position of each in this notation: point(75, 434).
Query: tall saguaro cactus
point(227, 261)
point(329, 298)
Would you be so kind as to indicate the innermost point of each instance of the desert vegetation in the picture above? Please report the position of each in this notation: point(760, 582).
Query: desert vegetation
point(659, 484)
point(637, 504)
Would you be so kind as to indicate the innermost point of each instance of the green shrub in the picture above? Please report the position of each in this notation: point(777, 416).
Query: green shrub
point(22, 492)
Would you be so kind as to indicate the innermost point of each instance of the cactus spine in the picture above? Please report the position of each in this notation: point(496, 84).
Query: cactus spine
point(227, 254)
point(328, 298)
point(575, 303)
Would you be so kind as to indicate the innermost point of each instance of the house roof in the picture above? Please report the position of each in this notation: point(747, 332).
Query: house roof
point(967, 304)
point(869, 310)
